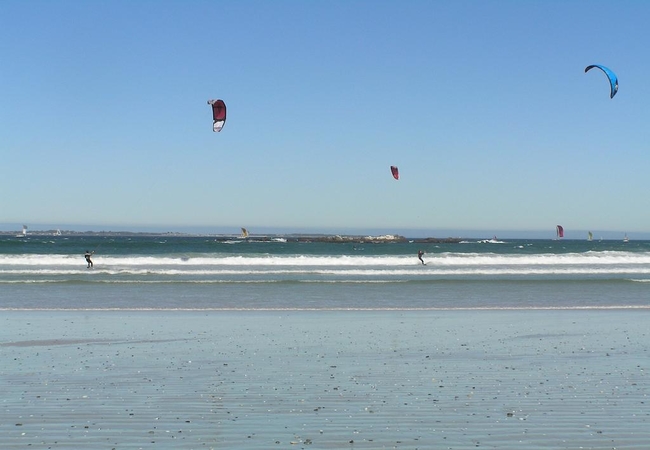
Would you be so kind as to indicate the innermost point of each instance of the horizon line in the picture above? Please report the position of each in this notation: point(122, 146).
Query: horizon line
point(11, 228)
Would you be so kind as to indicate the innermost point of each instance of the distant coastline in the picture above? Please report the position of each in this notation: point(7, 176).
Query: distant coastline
point(293, 237)
point(333, 235)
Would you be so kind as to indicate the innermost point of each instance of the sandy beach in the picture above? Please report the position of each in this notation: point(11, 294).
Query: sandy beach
point(508, 379)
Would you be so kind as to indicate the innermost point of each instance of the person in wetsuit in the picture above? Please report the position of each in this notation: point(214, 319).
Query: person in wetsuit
point(87, 255)
point(420, 254)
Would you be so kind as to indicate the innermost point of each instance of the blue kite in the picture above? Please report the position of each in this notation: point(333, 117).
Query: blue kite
point(613, 79)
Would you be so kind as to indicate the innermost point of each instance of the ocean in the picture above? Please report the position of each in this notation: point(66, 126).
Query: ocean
point(169, 272)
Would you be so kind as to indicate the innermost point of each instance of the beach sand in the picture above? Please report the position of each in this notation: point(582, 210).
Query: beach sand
point(513, 379)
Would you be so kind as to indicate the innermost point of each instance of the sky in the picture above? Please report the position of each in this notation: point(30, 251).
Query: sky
point(483, 105)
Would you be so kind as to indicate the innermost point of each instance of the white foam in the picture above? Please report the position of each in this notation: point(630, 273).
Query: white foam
point(635, 265)
point(435, 259)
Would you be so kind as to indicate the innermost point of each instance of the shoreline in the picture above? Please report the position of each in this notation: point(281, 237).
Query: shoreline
point(344, 309)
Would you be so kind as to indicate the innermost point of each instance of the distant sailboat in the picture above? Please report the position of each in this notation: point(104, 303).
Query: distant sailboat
point(626, 239)
point(590, 236)
point(560, 231)
point(24, 232)
point(244, 233)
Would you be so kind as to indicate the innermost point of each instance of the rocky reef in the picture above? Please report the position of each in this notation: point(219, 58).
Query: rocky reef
point(383, 239)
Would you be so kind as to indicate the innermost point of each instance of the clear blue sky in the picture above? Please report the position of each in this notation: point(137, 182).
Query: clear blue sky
point(483, 105)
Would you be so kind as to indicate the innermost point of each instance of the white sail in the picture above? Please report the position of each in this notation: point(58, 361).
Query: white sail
point(24, 232)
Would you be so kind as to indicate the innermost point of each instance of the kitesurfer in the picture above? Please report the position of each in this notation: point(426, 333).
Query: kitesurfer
point(87, 255)
point(420, 254)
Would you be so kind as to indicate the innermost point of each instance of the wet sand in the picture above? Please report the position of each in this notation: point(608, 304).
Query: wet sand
point(560, 379)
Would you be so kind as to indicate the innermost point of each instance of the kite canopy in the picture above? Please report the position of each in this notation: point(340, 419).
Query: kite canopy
point(218, 114)
point(395, 171)
point(613, 79)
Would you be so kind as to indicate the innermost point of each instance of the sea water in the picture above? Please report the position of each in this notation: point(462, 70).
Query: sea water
point(142, 272)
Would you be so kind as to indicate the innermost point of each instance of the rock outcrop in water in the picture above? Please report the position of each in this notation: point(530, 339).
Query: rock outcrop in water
point(384, 239)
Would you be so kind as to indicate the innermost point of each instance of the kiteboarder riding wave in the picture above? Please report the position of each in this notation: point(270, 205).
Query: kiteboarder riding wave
point(420, 253)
